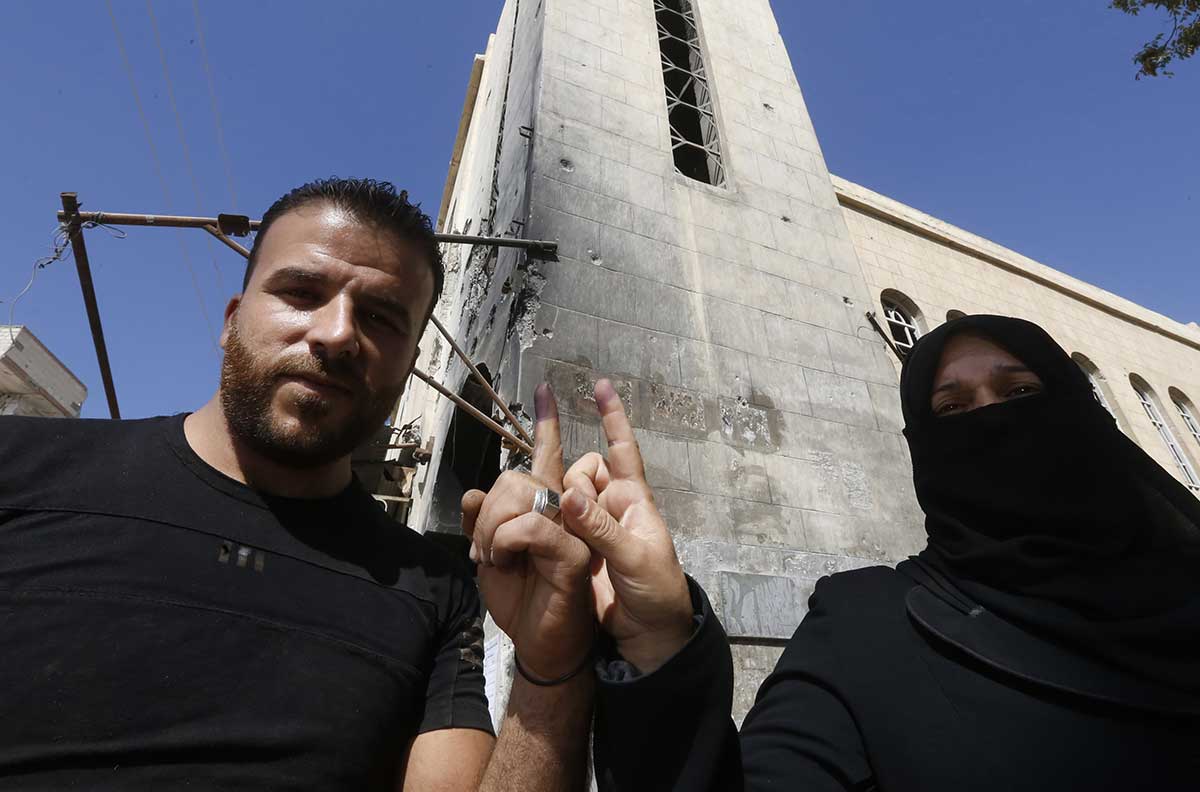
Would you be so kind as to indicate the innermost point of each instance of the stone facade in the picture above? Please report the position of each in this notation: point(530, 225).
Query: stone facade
point(936, 268)
point(732, 319)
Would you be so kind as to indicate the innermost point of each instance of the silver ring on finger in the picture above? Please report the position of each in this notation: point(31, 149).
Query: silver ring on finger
point(546, 502)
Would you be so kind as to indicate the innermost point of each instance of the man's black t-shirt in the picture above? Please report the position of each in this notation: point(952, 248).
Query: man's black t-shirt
point(164, 626)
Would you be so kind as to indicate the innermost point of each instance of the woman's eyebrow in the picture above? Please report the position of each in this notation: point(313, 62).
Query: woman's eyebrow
point(945, 386)
point(1012, 368)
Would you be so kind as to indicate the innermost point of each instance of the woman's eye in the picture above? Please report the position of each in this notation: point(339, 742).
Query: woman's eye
point(304, 295)
point(947, 408)
point(1025, 390)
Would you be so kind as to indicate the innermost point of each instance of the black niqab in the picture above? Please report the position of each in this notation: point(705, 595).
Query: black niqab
point(1042, 511)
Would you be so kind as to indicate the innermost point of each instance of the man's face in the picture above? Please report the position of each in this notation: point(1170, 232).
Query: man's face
point(320, 345)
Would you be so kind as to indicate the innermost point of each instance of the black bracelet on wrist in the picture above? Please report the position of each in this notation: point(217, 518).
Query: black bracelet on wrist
point(552, 682)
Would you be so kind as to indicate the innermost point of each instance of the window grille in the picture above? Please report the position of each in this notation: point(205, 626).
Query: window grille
point(1097, 391)
point(904, 328)
point(1100, 389)
point(1185, 467)
point(1189, 419)
point(694, 140)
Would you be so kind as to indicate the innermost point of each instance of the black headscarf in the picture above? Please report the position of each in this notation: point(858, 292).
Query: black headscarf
point(1042, 511)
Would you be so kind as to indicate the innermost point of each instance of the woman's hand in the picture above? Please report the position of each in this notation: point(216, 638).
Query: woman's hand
point(640, 593)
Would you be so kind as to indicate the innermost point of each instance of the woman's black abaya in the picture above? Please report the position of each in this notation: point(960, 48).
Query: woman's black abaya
point(1042, 511)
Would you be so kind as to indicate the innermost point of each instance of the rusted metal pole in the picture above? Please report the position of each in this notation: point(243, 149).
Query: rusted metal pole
point(165, 221)
point(481, 379)
point(473, 411)
point(539, 245)
point(227, 241)
point(70, 215)
point(544, 246)
point(400, 447)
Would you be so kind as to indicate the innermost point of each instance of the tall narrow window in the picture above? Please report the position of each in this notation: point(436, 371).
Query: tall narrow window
point(694, 140)
point(1184, 406)
point(1099, 394)
point(1168, 437)
point(1094, 377)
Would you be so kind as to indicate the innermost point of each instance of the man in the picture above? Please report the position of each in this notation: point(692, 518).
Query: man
point(213, 601)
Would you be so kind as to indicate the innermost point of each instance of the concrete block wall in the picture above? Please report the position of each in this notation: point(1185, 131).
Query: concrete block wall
point(730, 318)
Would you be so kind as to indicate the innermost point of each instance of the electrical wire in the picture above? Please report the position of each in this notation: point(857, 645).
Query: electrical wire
point(187, 259)
point(138, 103)
point(216, 111)
point(187, 152)
point(60, 243)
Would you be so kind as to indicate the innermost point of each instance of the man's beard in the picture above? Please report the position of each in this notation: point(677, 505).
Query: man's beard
point(248, 389)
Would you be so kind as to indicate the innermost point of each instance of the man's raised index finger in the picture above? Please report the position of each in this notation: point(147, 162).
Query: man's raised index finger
point(624, 457)
point(547, 462)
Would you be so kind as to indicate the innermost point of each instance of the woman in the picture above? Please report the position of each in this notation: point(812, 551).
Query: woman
point(1047, 637)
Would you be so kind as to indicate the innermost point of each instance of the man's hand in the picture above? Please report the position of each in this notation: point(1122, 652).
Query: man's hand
point(533, 574)
point(641, 596)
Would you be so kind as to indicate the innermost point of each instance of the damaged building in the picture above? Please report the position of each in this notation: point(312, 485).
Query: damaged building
point(749, 306)
point(33, 381)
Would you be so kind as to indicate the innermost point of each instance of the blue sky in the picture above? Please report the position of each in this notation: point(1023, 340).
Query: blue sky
point(1019, 121)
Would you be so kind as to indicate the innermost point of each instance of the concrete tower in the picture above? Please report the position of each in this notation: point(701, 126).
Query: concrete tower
point(704, 265)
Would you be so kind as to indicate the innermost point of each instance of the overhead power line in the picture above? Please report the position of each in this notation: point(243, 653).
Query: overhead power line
point(216, 111)
point(137, 101)
point(183, 143)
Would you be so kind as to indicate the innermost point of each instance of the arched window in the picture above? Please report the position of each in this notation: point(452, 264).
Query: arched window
point(902, 319)
point(1187, 412)
point(1150, 405)
point(952, 315)
point(1099, 384)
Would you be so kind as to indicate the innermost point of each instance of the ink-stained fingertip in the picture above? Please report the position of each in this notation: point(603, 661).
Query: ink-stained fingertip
point(543, 401)
point(605, 392)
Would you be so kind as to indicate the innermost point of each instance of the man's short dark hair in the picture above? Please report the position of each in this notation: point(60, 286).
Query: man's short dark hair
point(372, 202)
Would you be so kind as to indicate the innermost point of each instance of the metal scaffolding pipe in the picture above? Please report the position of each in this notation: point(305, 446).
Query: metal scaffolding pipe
point(234, 246)
point(70, 215)
point(545, 246)
point(478, 376)
point(165, 221)
point(473, 411)
point(542, 246)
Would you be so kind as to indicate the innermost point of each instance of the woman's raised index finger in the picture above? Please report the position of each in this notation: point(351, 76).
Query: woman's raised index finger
point(547, 462)
point(624, 456)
